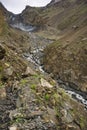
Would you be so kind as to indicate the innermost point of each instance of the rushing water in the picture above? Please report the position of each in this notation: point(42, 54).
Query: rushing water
point(77, 96)
point(34, 58)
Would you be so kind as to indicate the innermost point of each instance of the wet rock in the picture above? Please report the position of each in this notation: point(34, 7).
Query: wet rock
point(44, 83)
point(2, 52)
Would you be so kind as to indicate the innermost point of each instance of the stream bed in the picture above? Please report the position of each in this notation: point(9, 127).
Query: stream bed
point(37, 53)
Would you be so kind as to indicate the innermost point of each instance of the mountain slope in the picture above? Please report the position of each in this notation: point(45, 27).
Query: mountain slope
point(66, 58)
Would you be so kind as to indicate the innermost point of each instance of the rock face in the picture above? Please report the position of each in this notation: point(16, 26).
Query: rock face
point(2, 52)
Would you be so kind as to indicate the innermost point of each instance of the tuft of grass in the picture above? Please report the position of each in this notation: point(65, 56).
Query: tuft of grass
point(33, 87)
point(47, 97)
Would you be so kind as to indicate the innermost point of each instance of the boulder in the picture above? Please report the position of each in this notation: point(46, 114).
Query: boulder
point(44, 83)
point(29, 71)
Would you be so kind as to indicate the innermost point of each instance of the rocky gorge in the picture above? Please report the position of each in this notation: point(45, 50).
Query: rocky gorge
point(33, 94)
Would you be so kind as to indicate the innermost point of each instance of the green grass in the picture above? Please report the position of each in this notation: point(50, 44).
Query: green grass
point(33, 86)
point(47, 97)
